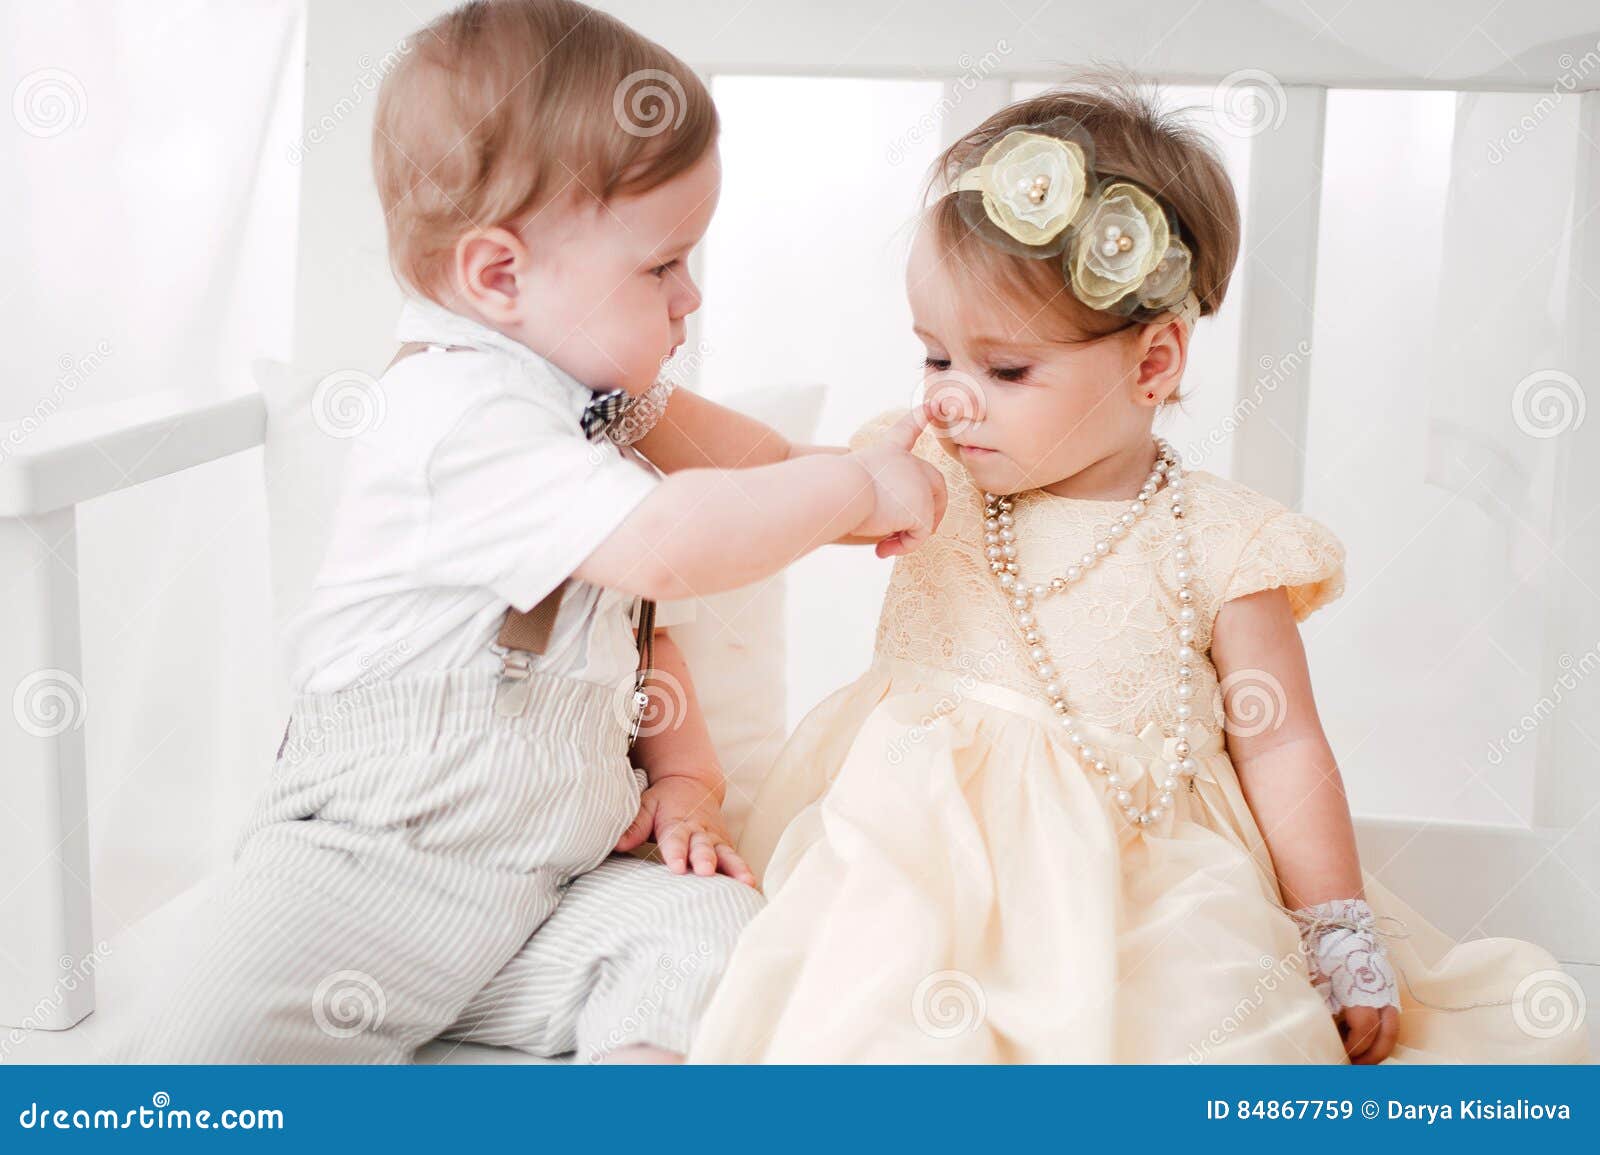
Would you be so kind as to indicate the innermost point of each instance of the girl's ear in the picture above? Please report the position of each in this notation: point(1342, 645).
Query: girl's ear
point(487, 262)
point(1163, 353)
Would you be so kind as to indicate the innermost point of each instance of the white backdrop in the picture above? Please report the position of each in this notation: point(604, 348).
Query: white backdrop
point(146, 155)
point(1446, 503)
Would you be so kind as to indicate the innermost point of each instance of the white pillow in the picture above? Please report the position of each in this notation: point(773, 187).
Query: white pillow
point(304, 462)
point(735, 645)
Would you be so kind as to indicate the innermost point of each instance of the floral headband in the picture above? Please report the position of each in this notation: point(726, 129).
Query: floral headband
point(1034, 192)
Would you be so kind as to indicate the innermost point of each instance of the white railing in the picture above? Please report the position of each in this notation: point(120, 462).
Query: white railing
point(47, 469)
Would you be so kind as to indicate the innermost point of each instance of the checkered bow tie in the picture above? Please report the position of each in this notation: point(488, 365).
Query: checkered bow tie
point(602, 411)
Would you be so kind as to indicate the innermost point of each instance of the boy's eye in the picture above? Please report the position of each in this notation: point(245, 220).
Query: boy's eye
point(662, 270)
point(936, 364)
point(1009, 372)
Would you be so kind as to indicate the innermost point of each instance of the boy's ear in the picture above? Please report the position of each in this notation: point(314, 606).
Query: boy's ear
point(487, 262)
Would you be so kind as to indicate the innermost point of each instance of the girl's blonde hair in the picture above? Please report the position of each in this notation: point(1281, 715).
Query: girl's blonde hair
point(1133, 138)
point(499, 107)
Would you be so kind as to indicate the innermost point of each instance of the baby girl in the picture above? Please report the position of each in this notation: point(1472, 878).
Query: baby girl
point(1030, 831)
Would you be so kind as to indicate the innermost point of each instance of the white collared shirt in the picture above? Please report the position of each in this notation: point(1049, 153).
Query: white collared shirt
point(476, 490)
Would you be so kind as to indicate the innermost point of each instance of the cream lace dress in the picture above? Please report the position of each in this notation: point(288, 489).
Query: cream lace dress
point(947, 884)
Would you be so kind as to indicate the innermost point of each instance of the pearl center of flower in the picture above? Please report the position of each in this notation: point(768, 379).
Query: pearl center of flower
point(1116, 241)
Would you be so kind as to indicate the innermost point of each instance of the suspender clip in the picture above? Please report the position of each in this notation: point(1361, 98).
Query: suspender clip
point(512, 692)
point(641, 703)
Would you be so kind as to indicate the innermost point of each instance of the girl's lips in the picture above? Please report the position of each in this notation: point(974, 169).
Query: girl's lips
point(974, 450)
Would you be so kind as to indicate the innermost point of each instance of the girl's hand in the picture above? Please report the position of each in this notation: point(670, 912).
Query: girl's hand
point(1369, 1033)
point(686, 821)
point(1350, 969)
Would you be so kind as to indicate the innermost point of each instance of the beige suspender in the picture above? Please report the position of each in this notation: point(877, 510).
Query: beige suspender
point(531, 631)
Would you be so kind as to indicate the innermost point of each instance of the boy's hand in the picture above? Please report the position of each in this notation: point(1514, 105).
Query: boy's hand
point(1368, 1032)
point(909, 493)
point(686, 821)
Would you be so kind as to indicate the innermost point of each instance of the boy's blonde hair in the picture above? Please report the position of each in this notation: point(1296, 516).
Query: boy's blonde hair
point(501, 107)
point(1133, 138)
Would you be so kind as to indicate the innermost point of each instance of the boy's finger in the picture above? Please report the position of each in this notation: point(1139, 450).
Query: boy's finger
point(733, 865)
point(894, 545)
point(638, 830)
point(674, 846)
point(903, 433)
point(912, 539)
point(702, 855)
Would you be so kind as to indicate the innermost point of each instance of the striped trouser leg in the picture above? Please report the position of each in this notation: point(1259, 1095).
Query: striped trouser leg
point(409, 844)
point(630, 956)
point(339, 951)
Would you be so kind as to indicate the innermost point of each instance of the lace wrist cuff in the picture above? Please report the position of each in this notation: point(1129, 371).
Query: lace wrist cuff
point(1348, 965)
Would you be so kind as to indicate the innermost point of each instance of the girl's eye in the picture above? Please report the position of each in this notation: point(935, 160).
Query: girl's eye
point(1009, 373)
point(662, 270)
point(936, 364)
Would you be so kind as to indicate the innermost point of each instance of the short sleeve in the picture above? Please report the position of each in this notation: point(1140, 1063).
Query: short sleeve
point(518, 498)
point(1295, 552)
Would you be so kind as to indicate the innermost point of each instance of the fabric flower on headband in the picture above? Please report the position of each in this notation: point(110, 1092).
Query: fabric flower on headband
point(1034, 192)
point(1033, 187)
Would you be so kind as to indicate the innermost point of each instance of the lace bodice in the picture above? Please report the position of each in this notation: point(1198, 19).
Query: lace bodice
point(1110, 634)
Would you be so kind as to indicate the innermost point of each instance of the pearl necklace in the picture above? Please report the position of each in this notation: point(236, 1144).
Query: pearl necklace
point(1000, 537)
